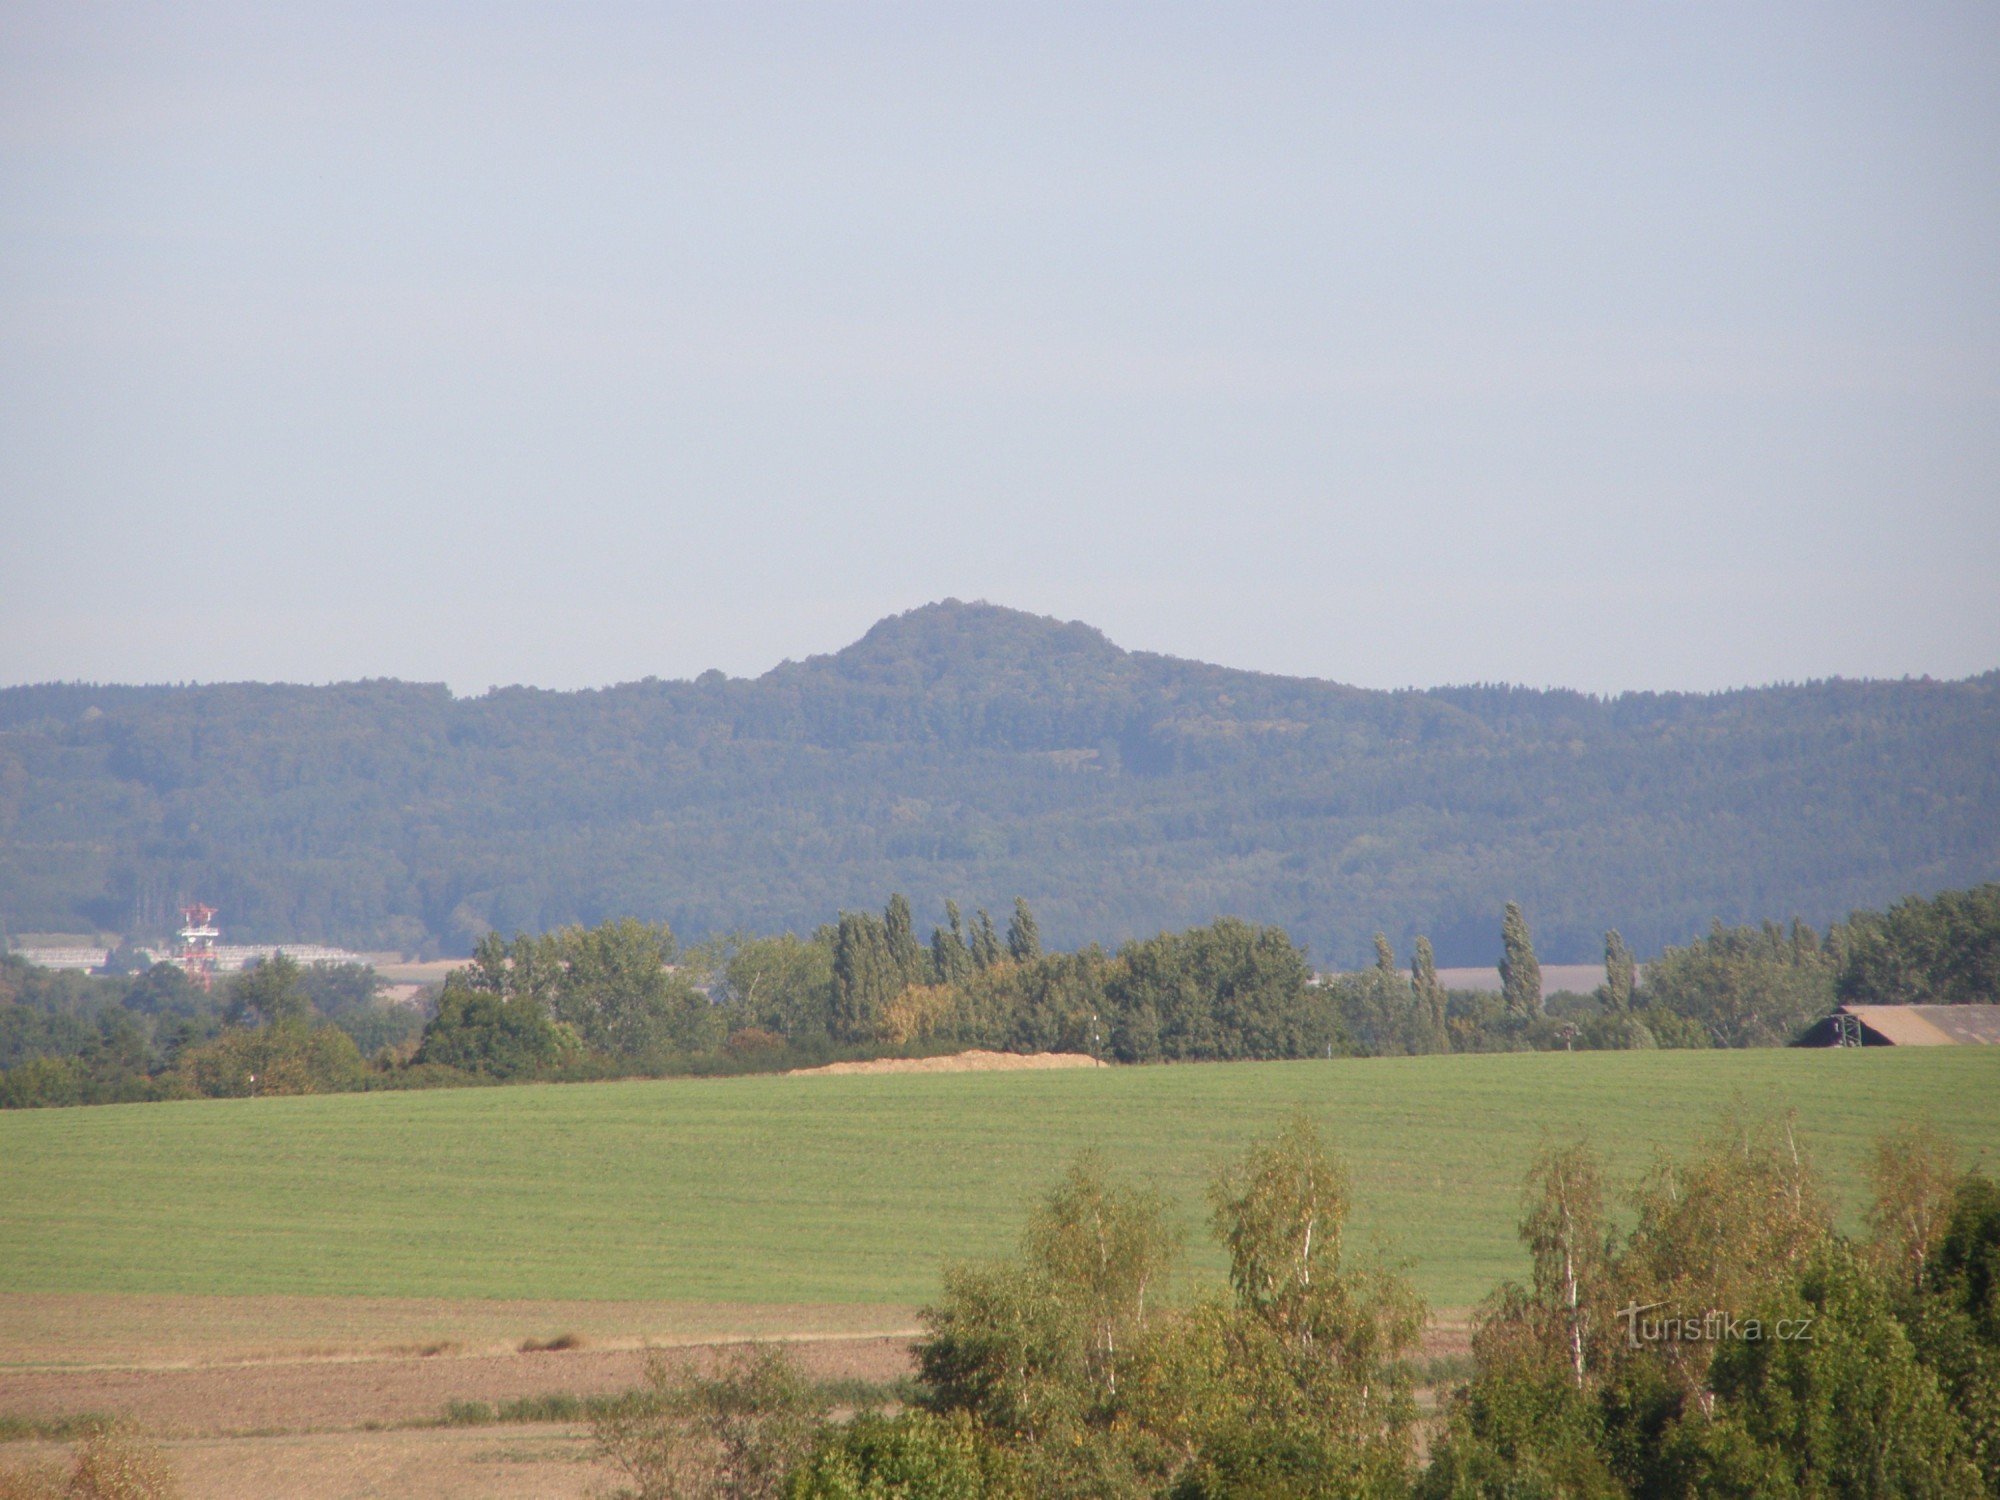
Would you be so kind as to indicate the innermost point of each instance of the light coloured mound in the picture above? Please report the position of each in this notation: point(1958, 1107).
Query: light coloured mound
point(963, 1062)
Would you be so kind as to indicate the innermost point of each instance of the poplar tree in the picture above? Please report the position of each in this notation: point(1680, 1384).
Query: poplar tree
point(905, 953)
point(1024, 938)
point(985, 942)
point(864, 976)
point(1520, 975)
point(1429, 993)
point(951, 960)
point(1385, 956)
point(1620, 972)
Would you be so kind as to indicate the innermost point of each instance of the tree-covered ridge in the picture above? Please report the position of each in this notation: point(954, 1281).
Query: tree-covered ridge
point(963, 747)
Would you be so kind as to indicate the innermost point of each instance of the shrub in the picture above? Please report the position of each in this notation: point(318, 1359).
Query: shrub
point(1847, 1410)
point(914, 1456)
point(1071, 1357)
point(1955, 1317)
point(733, 1435)
point(1747, 986)
point(753, 1042)
point(42, 1082)
point(288, 1058)
point(1736, 1239)
point(477, 1031)
point(110, 1463)
point(556, 1345)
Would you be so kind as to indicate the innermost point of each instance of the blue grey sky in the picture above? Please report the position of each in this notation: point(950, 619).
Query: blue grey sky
point(1617, 346)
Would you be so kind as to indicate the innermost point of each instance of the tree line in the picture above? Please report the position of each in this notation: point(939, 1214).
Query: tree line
point(279, 1027)
point(626, 998)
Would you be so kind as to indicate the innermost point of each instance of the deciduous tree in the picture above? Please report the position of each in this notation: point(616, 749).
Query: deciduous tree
point(1620, 973)
point(865, 976)
point(1520, 974)
point(906, 955)
point(1024, 938)
point(270, 992)
point(1429, 993)
point(951, 959)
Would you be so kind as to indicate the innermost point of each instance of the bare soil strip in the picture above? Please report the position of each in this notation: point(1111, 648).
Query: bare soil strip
point(335, 1395)
point(540, 1462)
point(127, 1331)
point(254, 1398)
point(194, 1366)
point(257, 1399)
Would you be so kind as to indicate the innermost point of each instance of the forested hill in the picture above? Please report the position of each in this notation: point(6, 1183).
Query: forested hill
point(970, 751)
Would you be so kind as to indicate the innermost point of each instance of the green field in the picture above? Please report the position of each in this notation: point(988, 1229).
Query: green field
point(855, 1189)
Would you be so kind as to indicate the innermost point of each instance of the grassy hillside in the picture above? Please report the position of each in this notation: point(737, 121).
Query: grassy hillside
point(854, 1188)
point(979, 753)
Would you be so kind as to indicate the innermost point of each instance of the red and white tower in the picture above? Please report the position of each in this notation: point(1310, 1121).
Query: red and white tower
point(197, 938)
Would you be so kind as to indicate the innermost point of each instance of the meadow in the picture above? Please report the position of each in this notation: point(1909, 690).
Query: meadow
point(857, 1189)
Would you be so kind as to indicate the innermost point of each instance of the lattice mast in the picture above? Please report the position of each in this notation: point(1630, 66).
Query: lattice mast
point(197, 939)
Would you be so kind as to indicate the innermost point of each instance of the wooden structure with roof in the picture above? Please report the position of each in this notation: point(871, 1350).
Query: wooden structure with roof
point(1906, 1026)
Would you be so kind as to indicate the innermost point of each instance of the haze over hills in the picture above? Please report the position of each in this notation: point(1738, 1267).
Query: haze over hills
point(977, 752)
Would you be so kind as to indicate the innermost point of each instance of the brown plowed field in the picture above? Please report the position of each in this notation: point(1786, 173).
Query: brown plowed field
point(325, 1394)
point(266, 1397)
point(260, 1397)
point(539, 1462)
point(137, 1330)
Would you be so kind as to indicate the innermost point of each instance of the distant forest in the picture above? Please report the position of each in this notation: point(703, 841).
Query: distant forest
point(979, 751)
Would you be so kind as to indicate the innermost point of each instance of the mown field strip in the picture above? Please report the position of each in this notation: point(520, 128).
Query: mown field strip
point(856, 1189)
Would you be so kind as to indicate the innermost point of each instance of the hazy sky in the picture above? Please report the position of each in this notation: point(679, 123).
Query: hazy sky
point(1613, 346)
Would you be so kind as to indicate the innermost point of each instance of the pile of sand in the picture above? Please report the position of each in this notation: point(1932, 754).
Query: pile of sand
point(962, 1062)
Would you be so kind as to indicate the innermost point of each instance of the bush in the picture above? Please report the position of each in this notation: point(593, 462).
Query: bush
point(1522, 1434)
point(422, 1076)
point(752, 1042)
point(1072, 1356)
point(477, 1031)
point(1954, 1319)
point(110, 1464)
point(1845, 1410)
point(42, 1083)
point(914, 1456)
point(380, 1024)
point(1736, 1241)
point(1745, 986)
point(733, 1435)
point(289, 1058)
